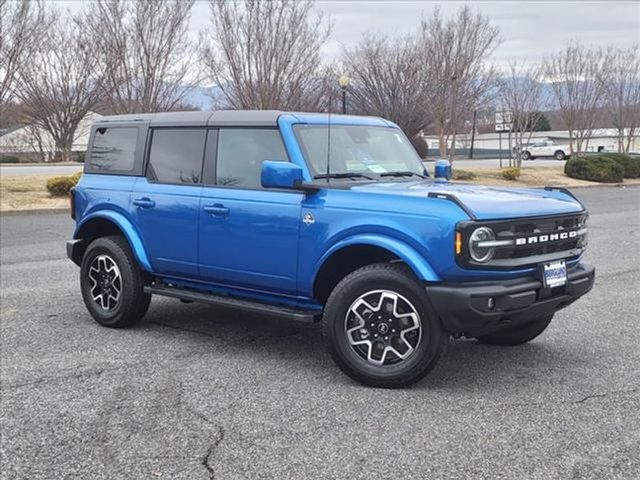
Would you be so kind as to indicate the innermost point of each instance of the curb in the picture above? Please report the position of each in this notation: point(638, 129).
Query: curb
point(610, 185)
point(42, 164)
point(34, 211)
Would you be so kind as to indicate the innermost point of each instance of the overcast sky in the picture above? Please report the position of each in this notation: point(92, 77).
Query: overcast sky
point(528, 29)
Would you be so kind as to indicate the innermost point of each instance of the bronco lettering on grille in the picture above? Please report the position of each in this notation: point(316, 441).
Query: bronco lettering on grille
point(546, 238)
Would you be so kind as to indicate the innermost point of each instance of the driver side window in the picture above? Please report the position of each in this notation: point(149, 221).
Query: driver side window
point(241, 152)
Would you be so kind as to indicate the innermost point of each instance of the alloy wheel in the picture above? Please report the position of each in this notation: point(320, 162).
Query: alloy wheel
point(106, 282)
point(383, 327)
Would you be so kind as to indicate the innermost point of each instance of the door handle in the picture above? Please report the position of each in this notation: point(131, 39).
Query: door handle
point(216, 209)
point(144, 202)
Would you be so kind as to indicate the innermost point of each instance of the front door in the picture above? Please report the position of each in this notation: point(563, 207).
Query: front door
point(248, 235)
point(166, 203)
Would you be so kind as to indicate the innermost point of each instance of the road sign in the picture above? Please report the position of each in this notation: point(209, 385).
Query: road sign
point(503, 121)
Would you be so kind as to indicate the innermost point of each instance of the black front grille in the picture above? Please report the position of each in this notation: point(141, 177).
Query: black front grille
point(533, 240)
point(528, 228)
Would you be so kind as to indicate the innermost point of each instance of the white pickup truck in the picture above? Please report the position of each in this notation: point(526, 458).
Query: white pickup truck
point(547, 148)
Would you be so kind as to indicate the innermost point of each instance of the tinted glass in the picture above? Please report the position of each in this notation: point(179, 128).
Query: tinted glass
point(358, 149)
point(241, 152)
point(176, 155)
point(114, 149)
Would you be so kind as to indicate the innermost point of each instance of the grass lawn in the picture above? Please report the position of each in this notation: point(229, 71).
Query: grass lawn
point(532, 177)
point(28, 192)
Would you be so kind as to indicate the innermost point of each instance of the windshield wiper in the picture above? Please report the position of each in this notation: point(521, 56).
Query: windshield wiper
point(404, 173)
point(342, 175)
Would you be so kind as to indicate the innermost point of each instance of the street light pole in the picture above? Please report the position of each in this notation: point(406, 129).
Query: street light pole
point(344, 82)
point(473, 133)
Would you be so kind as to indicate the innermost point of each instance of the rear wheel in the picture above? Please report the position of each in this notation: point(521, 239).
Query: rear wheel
point(112, 283)
point(380, 329)
point(517, 335)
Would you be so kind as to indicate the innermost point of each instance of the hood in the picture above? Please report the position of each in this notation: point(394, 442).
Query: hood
point(486, 203)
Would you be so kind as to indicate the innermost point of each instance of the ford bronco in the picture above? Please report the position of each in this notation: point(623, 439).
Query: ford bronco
point(317, 218)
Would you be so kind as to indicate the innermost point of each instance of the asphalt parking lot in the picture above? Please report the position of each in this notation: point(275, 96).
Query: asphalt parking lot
point(196, 392)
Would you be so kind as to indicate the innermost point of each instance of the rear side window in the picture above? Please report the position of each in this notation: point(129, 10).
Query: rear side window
point(114, 149)
point(176, 155)
point(241, 152)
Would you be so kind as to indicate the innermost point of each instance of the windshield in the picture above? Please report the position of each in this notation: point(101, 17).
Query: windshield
point(359, 150)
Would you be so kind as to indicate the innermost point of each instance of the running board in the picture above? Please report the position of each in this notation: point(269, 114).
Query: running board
point(297, 315)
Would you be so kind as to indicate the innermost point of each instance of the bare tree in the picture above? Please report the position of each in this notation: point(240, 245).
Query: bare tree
point(521, 93)
point(57, 87)
point(623, 95)
point(388, 80)
point(145, 60)
point(455, 51)
point(266, 54)
point(578, 80)
point(22, 24)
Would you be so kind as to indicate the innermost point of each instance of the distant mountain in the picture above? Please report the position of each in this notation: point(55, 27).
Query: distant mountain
point(204, 98)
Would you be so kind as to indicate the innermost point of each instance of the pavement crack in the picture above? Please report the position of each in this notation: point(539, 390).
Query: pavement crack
point(73, 376)
point(220, 432)
point(182, 329)
point(602, 395)
point(206, 459)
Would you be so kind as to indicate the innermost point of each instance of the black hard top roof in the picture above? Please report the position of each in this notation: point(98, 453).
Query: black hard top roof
point(218, 117)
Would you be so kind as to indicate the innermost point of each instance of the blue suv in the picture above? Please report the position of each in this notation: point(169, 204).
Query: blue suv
point(318, 218)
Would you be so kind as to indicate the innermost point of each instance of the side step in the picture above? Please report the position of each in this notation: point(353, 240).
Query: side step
point(297, 315)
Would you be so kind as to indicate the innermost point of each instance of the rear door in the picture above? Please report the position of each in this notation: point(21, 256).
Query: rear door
point(166, 201)
point(549, 149)
point(248, 235)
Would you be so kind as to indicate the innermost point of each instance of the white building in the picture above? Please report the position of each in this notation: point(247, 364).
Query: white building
point(30, 142)
point(605, 139)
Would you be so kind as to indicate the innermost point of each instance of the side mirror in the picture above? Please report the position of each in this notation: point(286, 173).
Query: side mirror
point(280, 174)
point(442, 171)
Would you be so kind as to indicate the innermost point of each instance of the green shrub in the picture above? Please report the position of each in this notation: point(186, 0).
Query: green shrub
point(463, 175)
point(631, 165)
point(595, 169)
point(60, 186)
point(8, 159)
point(511, 173)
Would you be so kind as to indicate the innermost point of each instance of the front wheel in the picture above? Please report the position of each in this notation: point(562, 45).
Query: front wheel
point(560, 155)
point(380, 328)
point(517, 335)
point(112, 283)
point(526, 155)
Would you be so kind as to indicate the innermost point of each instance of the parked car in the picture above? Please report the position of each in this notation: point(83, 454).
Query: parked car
point(281, 213)
point(548, 148)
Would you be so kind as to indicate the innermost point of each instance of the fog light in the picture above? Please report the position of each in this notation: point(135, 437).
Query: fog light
point(491, 303)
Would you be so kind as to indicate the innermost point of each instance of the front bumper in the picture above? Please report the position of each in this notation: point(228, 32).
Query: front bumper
point(465, 308)
point(75, 250)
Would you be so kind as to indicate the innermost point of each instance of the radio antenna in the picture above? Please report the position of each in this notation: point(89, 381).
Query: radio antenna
point(329, 139)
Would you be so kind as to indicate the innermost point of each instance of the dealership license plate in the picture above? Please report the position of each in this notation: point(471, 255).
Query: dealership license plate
point(554, 274)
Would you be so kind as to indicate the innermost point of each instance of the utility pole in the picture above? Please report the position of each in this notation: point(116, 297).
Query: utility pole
point(473, 133)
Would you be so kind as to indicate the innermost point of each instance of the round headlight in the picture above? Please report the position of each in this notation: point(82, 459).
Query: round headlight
point(481, 254)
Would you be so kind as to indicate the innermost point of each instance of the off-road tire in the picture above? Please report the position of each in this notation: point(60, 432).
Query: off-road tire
point(393, 277)
point(517, 335)
point(133, 302)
